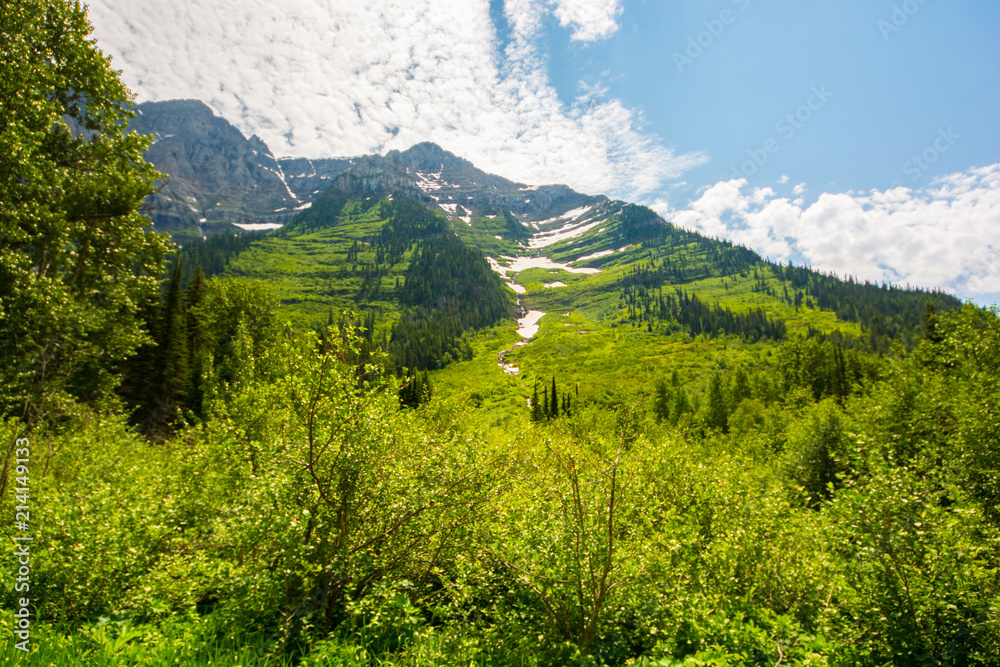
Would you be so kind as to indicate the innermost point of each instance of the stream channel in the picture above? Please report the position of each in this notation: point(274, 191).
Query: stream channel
point(528, 324)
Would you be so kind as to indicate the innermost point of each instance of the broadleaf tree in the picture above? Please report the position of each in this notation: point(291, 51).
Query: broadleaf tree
point(76, 260)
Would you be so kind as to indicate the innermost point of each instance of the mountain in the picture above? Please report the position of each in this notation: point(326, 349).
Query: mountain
point(218, 178)
point(421, 242)
point(433, 175)
point(466, 400)
point(409, 239)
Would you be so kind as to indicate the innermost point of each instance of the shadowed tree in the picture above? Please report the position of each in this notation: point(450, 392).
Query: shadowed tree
point(76, 266)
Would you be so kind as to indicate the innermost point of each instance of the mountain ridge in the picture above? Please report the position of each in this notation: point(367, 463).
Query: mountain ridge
point(217, 179)
point(542, 241)
point(220, 181)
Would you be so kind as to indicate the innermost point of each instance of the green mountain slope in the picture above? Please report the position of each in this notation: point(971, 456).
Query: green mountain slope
point(621, 297)
point(630, 445)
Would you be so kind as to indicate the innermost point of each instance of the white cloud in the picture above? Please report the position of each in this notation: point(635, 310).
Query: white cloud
point(323, 78)
point(944, 236)
point(591, 19)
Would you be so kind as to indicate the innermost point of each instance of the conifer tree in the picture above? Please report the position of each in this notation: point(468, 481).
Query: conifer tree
point(741, 386)
point(173, 378)
point(412, 391)
point(554, 403)
point(661, 404)
point(425, 389)
point(681, 405)
point(197, 338)
point(536, 410)
point(718, 413)
point(930, 323)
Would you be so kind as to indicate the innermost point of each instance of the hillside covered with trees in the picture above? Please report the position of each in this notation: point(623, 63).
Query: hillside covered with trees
point(328, 445)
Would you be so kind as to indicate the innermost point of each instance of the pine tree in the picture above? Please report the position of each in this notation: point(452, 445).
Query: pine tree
point(718, 412)
point(425, 393)
point(841, 386)
point(197, 337)
point(554, 403)
point(681, 405)
point(661, 404)
point(930, 323)
point(408, 393)
point(536, 409)
point(741, 386)
point(174, 381)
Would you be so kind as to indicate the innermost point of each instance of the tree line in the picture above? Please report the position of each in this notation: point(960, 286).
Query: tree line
point(650, 306)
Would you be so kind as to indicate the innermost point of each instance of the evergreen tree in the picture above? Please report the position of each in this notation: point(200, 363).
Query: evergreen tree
point(425, 395)
point(681, 406)
point(718, 412)
point(661, 404)
point(554, 402)
point(415, 390)
point(930, 323)
point(841, 385)
point(536, 408)
point(173, 344)
point(741, 386)
point(197, 337)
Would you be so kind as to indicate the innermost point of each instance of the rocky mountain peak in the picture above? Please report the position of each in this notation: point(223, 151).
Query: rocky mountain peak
point(217, 177)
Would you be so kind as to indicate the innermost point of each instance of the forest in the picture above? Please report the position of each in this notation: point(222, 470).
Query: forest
point(192, 476)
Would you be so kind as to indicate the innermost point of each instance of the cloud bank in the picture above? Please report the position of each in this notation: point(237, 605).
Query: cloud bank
point(323, 78)
point(591, 19)
point(944, 236)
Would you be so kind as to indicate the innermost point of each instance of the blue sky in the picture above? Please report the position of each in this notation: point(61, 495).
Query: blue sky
point(856, 137)
point(893, 84)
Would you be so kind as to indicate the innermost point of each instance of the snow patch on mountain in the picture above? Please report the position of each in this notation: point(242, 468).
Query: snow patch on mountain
point(569, 231)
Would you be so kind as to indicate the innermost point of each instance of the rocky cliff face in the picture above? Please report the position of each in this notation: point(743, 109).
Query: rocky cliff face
point(216, 177)
point(217, 180)
point(434, 175)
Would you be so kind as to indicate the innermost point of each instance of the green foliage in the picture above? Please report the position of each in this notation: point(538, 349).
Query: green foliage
point(310, 517)
point(211, 255)
point(333, 491)
point(448, 289)
point(886, 312)
point(773, 489)
point(416, 389)
point(688, 311)
point(198, 332)
point(75, 262)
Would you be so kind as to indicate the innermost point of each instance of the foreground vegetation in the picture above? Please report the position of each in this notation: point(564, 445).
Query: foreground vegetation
point(786, 469)
point(310, 518)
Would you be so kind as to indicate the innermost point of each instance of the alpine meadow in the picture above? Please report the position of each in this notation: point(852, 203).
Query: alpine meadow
point(392, 409)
